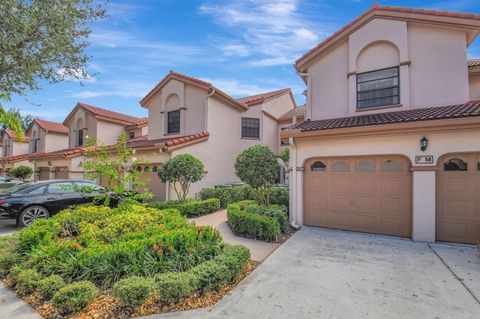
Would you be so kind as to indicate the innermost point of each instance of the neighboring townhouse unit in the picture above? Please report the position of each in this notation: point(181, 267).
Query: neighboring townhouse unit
point(14, 151)
point(188, 115)
point(46, 136)
point(83, 122)
point(391, 138)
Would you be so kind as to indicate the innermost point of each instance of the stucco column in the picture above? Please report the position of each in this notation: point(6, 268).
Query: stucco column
point(299, 194)
point(423, 205)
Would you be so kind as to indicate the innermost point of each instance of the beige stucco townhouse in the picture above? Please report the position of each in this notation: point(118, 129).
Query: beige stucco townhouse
point(391, 138)
point(84, 121)
point(188, 115)
point(14, 151)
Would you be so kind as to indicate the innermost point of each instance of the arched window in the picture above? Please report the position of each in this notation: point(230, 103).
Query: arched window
point(341, 166)
point(146, 169)
point(155, 168)
point(139, 168)
point(392, 165)
point(365, 166)
point(318, 166)
point(80, 130)
point(455, 164)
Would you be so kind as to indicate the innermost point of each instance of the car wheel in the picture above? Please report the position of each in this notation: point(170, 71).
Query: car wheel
point(31, 214)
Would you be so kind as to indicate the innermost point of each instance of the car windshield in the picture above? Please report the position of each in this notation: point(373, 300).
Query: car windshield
point(17, 188)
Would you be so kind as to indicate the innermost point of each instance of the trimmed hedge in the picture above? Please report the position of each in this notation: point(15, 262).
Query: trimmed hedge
point(75, 296)
point(233, 194)
point(174, 285)
point(248, 219)
point(48, 286)
point(191, 207)
point(27, 281)
point(133, 291)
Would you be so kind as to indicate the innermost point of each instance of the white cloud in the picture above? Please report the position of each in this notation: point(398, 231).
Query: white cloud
point(234, 49)
point(125, 88)
point(76, 75)
point(44, 113)
point(276, 32)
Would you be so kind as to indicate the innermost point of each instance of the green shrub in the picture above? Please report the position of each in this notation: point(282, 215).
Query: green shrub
point(174, 286)
point(48, 286)
point(104, 245)
point(234, 258)
point(279, 196)
point(250, 220)
point(133, 291)
point(27, 281)
point(9, 255)
point(210, 275)
point(190, 208)
point(275, 211)
point(15, 272)
point(233, 194)
point(74, 297)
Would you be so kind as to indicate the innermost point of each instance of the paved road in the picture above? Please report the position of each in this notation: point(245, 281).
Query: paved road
point(330, 274)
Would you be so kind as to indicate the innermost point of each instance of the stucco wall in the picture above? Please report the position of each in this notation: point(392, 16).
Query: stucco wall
point(439, 66)
point(254, 111)
point(279, 105)
point(55, 142)
point(173, 96)
point(422, 53)
point(218, 153)
point(108, 132)
point(89, 126)
point(270, 133)
point(19, 148)
point(474, 84)
point(36, 132)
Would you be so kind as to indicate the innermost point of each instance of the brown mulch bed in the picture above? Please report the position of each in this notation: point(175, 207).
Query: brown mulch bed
point(107, 307)
point(289, 233)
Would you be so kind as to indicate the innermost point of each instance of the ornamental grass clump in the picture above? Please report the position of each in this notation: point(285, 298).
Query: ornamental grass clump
point(27, 281)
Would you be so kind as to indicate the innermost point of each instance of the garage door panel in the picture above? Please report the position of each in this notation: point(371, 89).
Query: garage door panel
point(458, 198)
point(363, 195)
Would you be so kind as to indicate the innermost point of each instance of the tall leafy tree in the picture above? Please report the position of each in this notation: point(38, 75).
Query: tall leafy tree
point(42, 40)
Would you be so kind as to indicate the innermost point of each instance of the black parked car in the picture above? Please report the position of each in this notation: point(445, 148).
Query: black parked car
point(32, 201)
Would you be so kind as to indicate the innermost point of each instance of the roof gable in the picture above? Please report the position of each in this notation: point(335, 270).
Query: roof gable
point(469, 21)
point(48, 126)
point(262, 97)
point(106, 115)
point(194, 81)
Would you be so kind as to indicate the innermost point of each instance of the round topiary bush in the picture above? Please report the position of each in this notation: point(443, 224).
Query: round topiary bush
point(133, 291)
point(173, 286)
point(74, 297)
point(48, 286)
point(27, 281)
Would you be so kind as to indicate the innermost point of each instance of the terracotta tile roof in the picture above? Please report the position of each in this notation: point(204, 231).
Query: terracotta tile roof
point(473, 62)
point(260, 98)
point(112, 114)
point(298, 111)
point(377, 7)
point(21, 157)
point(12, 135)
point(205, 84)
point(61, 153)
point(167, 141)
point(470, 109)
point(139, 124)
point(52, 126)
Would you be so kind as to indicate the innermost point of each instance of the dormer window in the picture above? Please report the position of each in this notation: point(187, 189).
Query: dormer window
point(378, 88)
point(173, 122)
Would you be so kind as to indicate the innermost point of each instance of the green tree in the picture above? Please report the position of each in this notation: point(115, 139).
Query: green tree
point(116, 166)
point(180, 172)
point(258, 167)
point(42, 40)
point(21, 172)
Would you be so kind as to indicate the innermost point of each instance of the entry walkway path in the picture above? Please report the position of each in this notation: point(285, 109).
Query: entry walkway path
point(259, 250)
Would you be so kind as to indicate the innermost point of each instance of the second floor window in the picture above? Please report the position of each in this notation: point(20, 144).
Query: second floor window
point(173, 122)
point(378, 88)
point(250, 127)
point(35, 146)
point(131, 135)
point(80, 137)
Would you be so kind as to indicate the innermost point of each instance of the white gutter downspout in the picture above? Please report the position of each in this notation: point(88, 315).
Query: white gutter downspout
point(293, 184)
point(206, 108)
point(308, 104)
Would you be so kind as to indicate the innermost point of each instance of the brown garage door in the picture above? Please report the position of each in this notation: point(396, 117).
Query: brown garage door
point(43, 173)
point(153, 182)
point(458, 198)
point(61, 172)
point(366, 194)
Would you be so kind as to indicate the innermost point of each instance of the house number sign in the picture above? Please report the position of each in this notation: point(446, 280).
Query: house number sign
point(424, 159)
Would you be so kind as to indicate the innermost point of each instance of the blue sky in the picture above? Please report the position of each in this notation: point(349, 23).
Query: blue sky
point(243, 47)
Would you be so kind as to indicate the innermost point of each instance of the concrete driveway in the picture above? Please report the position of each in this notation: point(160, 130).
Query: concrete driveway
point(322, 273)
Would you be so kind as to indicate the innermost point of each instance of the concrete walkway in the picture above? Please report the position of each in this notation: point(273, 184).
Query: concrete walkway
point(13, 307)
point(259, 249)
point(322, 273)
